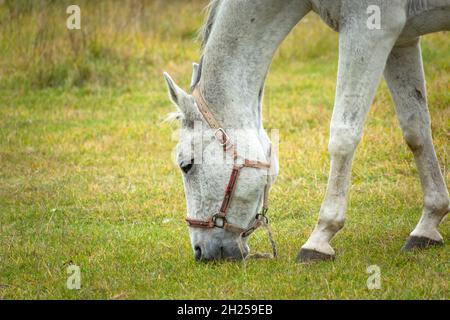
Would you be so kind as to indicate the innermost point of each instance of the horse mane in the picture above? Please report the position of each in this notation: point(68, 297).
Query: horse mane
point(211, 11)
point(203, 33)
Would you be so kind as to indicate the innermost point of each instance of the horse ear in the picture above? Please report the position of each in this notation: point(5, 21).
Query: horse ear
point(176, 94)
point(195, 74)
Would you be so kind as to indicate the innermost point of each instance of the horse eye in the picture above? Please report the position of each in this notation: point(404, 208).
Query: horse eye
point(186, 166)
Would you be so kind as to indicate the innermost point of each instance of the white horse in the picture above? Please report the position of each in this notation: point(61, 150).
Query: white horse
point(239, 41)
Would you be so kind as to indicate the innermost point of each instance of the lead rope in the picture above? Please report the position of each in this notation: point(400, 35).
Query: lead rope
point(272, 241)
point(262, 221)
point(258, 255)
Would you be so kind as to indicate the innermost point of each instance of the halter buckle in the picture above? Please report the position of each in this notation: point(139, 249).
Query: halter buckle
point(220, 217)
point(223, 139)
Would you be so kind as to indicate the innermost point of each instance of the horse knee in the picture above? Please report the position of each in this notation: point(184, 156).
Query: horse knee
point(343, 141)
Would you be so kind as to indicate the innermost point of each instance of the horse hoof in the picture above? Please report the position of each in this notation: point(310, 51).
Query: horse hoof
point(414, 242)
point(308, 255)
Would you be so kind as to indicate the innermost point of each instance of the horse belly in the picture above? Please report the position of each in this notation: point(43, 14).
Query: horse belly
point(426, 16)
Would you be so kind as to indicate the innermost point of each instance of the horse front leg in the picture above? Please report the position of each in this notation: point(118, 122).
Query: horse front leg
point(362, 58)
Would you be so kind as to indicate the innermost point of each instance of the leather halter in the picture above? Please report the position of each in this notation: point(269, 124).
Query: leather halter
point(219, 219)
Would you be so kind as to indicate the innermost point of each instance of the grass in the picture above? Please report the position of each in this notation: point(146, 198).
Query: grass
point(86, 175)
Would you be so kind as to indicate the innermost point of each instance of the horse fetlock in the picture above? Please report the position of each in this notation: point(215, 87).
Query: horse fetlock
point(331, 223)
point(438, 205)
point(429, 222)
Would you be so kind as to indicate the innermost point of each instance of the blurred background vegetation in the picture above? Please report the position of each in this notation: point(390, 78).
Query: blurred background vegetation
point(119, 41)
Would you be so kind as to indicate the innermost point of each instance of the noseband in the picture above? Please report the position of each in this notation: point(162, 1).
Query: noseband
point(219, 220)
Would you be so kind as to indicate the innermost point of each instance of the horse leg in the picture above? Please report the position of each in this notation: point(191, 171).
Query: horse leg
point(405, 78)
point(362, 58)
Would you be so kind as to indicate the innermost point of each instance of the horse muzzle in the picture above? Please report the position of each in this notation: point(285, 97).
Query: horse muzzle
point(216, 249)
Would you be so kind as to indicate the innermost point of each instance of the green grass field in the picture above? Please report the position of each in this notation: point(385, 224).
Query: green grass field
point(86, 175)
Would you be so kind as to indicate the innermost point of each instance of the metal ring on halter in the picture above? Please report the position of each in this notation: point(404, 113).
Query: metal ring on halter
point(224, 139)
point(262, 217)
point(219, 216)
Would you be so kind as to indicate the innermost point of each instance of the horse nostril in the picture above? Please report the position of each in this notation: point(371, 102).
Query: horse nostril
point(198, 253)
point(186, 166)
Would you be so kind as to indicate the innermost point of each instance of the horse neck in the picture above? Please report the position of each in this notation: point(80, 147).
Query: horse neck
point(237, 56)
